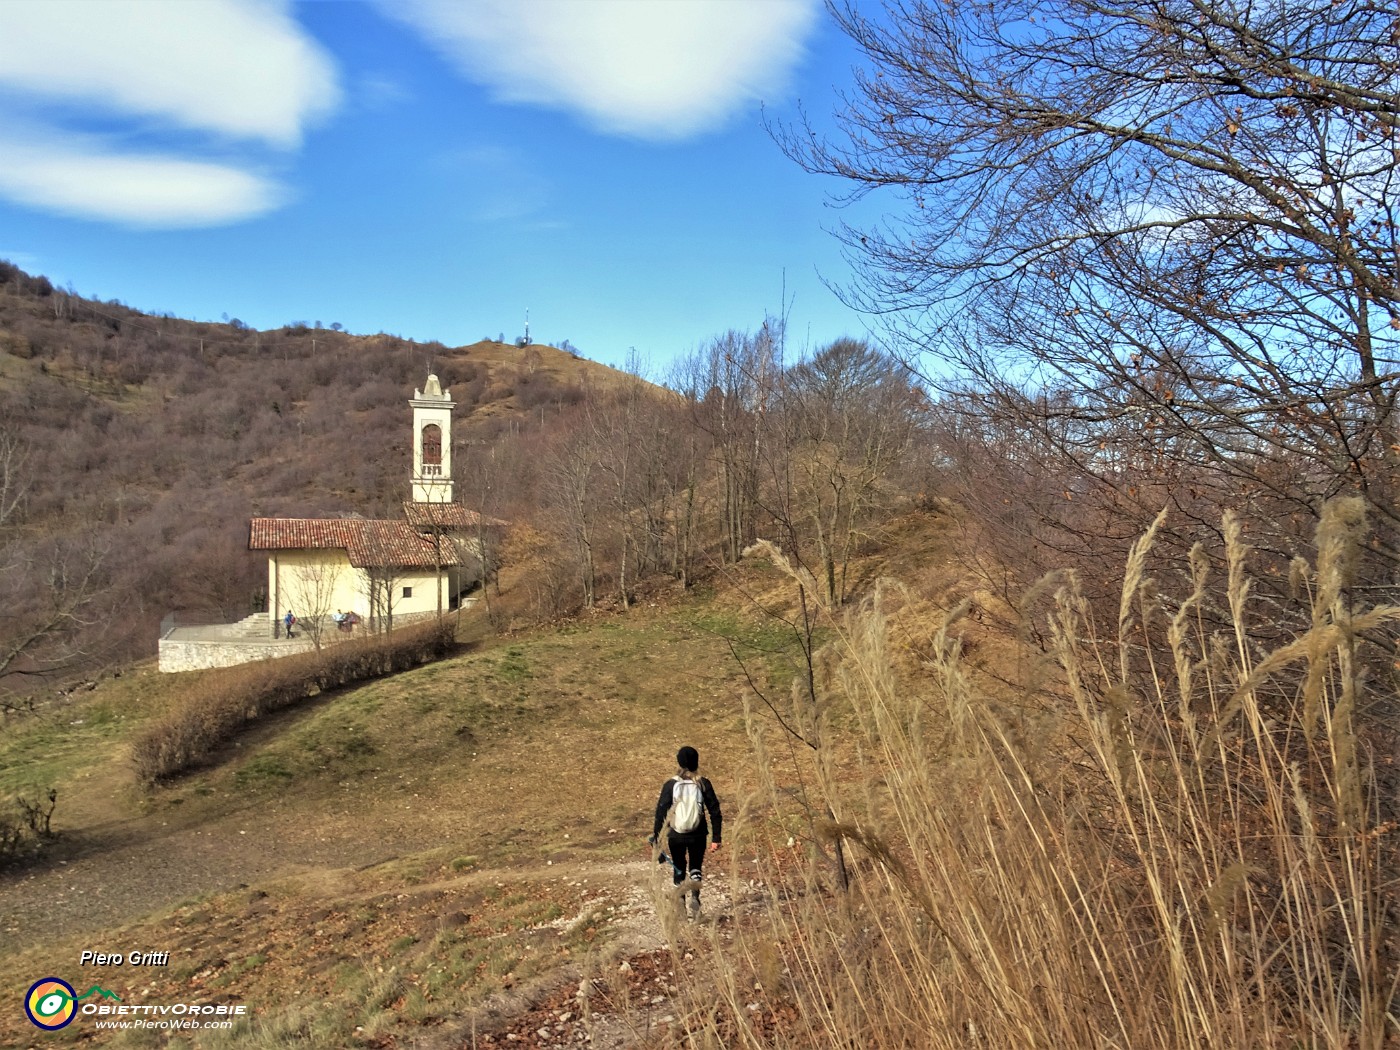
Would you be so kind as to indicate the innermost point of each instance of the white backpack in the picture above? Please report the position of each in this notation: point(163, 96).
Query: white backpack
point(686, 798)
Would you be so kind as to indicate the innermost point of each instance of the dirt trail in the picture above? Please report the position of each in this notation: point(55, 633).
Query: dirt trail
point(636, 1001)
point(124, 870)
point(626, 1007)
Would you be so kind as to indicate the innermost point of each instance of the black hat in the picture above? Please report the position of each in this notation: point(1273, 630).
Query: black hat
point(688, 758)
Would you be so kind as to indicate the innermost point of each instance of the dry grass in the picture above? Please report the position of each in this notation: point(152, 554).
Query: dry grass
point(1108, 859)
point(1117, 853)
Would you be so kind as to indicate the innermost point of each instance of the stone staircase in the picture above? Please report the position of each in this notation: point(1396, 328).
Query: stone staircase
point(256, 627)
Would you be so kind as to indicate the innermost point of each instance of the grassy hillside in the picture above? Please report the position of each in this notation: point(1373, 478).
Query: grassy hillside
point(968, 805)
point(406, 861)
point(939, 833)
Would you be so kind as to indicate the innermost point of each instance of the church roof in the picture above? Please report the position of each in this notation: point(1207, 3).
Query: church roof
point(433, 391)
point(440, 515)
point(368, 543)
point(444, 516)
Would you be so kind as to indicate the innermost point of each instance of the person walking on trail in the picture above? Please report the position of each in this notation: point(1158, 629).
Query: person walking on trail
point(685, 799)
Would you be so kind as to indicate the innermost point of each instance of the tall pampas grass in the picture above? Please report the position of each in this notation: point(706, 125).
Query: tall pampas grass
point(1166, 839)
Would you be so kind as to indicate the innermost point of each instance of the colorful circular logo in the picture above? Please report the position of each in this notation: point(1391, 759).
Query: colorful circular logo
point(51, 1003)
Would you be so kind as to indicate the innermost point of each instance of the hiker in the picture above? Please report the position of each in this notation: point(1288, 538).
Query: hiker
point(290, 621)
point(686, 797)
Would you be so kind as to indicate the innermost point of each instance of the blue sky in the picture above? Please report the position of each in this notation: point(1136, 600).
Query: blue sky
point(429, 168)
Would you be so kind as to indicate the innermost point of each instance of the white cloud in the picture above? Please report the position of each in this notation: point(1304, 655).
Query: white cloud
point(635, 67)
point(86, 180)
point(377, 93)
point(244, 69)
point(154, 70)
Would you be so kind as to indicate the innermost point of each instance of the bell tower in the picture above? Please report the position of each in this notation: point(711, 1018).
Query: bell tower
point(432, 443)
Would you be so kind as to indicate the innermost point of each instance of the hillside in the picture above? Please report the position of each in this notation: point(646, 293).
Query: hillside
point(1007, 760)
point(957, 838)
point(436, 856)
point(142, 445)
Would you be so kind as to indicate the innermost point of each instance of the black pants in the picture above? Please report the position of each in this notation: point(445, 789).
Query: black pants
point(687, 857)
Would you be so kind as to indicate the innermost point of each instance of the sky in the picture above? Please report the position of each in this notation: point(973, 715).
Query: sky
point(430, 168)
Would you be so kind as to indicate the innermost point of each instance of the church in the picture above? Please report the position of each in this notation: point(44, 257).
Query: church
point(381, 571)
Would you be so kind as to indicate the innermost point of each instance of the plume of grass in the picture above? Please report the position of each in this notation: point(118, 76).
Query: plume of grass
point(1146, 856)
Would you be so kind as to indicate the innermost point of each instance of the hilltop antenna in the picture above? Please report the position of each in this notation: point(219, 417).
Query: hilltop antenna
point(527, 326)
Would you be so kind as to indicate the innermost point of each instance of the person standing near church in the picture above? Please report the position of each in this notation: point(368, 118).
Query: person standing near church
point(685, 799)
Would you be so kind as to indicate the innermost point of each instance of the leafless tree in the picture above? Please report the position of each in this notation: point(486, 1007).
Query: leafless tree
point(616, 421)
point(485, 473)
point(571, 484)
point(678, 498)
point(849, 415)
point(1162, 233)
point(52, 587)
point(51, 584)
point(384, 573)
point(311, 591)
point(14, 479)
point(735, 378)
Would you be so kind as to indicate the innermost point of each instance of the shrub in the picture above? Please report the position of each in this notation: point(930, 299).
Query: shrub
point(24, 825)
point(16, 345)
point(222, 702)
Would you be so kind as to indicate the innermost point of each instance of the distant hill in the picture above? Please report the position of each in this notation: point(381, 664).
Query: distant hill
point(134, 449)
point(154, 439)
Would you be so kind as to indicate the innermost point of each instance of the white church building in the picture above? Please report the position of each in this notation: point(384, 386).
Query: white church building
point(380, 570)
point(384, 572)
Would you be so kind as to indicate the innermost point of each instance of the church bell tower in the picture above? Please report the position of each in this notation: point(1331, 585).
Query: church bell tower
point(432, 443)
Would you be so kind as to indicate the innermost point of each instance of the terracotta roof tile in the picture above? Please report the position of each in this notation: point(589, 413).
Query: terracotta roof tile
point(369, 544)
point(444, 515)
point(441, 515)
point(272, 534)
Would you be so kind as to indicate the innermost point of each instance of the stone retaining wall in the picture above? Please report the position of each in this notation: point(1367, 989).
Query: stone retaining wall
point(200, 653)
point(176, 655)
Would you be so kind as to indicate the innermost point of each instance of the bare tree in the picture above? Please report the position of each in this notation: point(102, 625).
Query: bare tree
point(736, 377)
point(482, 484)
point(51, 583)
point(849, 416)
point(437, 522)
point(571, 485)
point(615, 422)
point(52, 588)
point(384, 571)
point(14, 479)
point(311, 590)
point(688, 505)
point(1171, 221)
point(677, 454)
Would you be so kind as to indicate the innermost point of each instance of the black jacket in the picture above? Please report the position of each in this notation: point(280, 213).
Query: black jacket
point(707, 796)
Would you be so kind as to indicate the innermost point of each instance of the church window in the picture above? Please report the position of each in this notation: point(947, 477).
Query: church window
point(432, 449)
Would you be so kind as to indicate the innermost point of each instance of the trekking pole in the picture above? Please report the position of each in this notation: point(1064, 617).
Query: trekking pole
point(681, 888)
point(663, 858)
